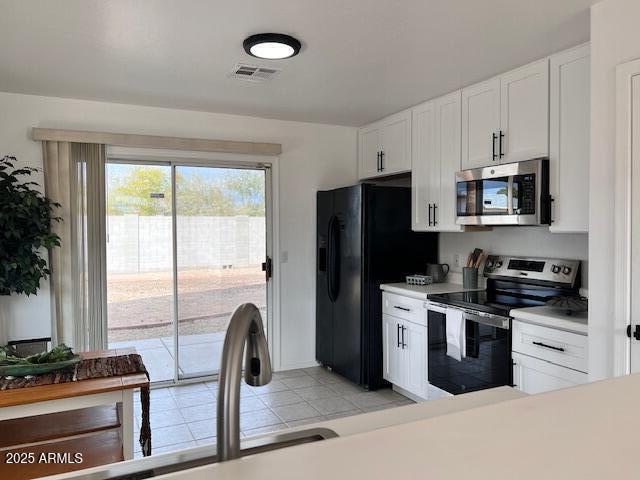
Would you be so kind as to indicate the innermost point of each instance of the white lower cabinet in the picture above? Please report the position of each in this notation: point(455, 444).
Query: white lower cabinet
point(532, 375)
point(404, 343)
point(415, 359)
point(405, 355)
point(546, 359)
point(391, 351)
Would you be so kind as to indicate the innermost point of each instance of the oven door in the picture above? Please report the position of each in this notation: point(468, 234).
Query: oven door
point(487, 363)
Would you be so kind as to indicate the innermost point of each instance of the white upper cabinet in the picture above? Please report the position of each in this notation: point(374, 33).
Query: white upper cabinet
point(480, 123)
point(424, 167)
point(435, 160)
point(384, 147)
point(569, 140)
point(448, 111)
point(506, 119)
point(524, 113)
point(396, 143)
point(369, 148)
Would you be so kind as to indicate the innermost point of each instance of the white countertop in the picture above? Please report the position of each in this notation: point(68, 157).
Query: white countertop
point(352, 425)
point(422, 291)
point(550, 317)
point(570, 433)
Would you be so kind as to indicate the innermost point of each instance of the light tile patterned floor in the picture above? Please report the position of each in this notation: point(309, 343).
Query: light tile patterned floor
point(157, 354)
point(184, 416)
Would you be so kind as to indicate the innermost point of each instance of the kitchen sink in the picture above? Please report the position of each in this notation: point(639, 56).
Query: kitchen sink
point(154, 466)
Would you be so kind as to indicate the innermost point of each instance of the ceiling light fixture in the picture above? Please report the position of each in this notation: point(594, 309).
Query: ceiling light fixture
point(271, 46)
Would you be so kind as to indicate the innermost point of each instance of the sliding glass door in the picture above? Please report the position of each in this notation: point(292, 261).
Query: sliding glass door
point(185, 246)
point(221, 241)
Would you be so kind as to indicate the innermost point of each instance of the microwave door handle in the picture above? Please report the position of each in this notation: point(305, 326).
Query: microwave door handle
point(510, 195)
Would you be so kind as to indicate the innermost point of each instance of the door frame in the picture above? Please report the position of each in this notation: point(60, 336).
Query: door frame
point(622, 353)
point(270, 165)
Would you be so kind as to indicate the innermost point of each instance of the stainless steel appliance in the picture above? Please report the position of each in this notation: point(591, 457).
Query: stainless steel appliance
point(512, 282)
point(509, 194)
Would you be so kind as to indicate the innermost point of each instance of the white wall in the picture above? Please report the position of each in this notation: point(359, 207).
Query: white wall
point(531, 241)
point(313, 157)
point(615, 39)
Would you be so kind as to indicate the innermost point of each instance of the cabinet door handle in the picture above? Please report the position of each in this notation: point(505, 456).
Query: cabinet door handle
point(429, 214)
point(378, 161)
point(494, 137)
point(402, 308)
point(404, 345)
point(501, 137)
point(551, 205)
point(382, 161)
point(435, 218)
point(398, 334)
point(540, 344)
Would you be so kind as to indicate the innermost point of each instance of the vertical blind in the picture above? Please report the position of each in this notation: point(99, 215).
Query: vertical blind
point(75, 178)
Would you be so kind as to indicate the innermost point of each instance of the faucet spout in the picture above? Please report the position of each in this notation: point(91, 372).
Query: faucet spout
point(244, 333)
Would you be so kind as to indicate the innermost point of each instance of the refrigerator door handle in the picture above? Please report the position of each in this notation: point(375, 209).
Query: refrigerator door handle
point(333, 245)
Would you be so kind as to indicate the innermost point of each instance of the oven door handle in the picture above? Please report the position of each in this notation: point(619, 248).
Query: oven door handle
point(436, 307)
point(473, 316)
point(510, 195)
point(488, 319)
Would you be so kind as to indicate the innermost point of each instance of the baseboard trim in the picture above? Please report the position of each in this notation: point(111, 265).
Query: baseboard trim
point(295, 366)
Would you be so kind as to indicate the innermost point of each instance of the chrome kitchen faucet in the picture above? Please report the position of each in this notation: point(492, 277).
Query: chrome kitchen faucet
point(245, 327)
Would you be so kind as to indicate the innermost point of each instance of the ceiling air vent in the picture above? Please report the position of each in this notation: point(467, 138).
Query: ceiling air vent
point(253, 73)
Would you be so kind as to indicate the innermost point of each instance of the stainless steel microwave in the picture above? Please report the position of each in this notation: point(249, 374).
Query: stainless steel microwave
point(509, 194)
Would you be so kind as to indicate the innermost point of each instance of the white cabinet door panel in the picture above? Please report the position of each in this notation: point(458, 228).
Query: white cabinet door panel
point(480, 122)
point(415, 352)
point(368, 150)
point(448, 135)
point(531, 375)
point(392, 368)
point(569, 140)
point(524, 117)
point(396, 143)
point(423, 163)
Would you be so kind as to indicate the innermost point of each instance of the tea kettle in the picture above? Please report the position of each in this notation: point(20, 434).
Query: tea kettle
point(437, 271)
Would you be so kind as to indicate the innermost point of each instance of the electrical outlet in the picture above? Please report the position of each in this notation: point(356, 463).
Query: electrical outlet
point(457, 260)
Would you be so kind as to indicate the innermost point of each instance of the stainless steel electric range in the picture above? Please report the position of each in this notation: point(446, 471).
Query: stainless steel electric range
point(512, 282)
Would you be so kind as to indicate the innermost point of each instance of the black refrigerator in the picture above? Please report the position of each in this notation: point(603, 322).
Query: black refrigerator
point(364, 239)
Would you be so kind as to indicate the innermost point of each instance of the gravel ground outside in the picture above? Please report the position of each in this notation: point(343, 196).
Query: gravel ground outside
point(140, 305)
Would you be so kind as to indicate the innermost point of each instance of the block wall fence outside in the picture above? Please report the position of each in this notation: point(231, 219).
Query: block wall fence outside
point(143, 243)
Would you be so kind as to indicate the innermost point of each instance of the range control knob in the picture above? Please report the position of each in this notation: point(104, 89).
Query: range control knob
point(498, 263)
point(566, 270)
point(555, 268)
point(489, 263)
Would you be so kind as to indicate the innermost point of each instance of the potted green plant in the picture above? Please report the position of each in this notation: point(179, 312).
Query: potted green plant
point(26, 216)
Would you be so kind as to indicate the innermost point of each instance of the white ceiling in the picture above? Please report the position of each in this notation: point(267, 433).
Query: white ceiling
point(361, 59)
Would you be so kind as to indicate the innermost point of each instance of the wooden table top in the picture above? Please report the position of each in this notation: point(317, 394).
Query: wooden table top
point(42, 393)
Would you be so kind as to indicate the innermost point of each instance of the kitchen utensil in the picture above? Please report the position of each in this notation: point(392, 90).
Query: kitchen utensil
point(480, 260)
point(437, 271)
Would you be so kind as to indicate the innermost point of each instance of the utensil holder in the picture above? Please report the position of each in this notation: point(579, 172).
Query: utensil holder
point(469, 277)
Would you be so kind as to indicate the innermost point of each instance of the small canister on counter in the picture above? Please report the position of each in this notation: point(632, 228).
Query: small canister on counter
point(469, 277)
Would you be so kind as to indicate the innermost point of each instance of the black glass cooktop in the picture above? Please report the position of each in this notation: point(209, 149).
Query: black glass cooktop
point(497, 302)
